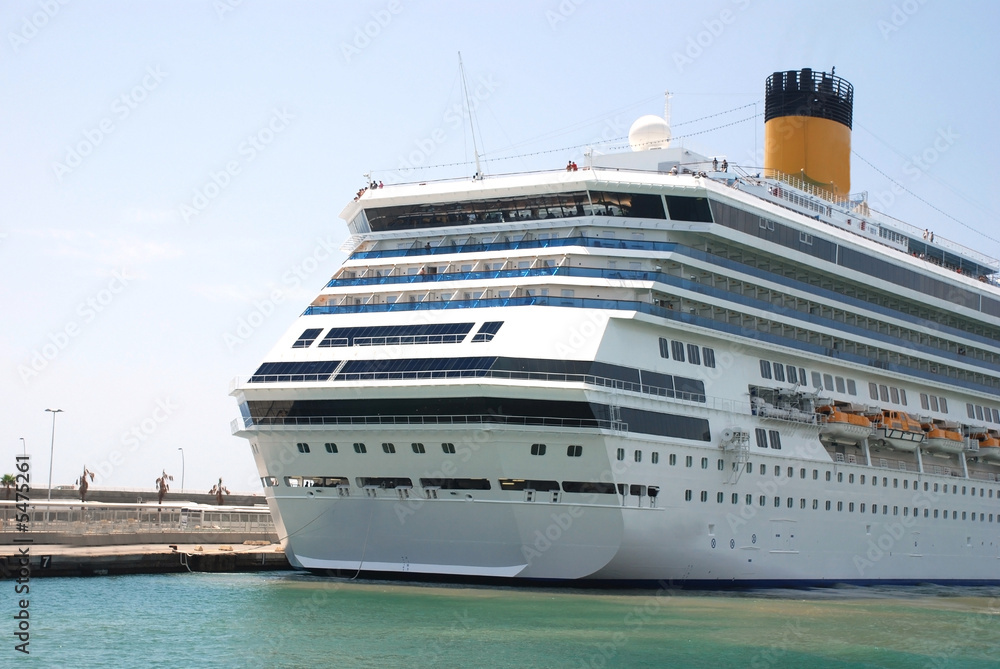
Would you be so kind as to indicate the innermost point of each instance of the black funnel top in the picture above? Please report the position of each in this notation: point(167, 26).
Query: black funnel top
point(808, 93)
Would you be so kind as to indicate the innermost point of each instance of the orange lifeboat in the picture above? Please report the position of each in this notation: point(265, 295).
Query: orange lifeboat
point(842, 427)
point(896, 430)
point(989, 448)
point(943, 438)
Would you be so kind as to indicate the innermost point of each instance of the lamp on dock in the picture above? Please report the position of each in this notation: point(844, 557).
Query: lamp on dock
point(52, 448)
point(182, 467)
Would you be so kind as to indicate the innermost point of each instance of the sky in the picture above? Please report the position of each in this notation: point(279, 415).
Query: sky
point(171, 171)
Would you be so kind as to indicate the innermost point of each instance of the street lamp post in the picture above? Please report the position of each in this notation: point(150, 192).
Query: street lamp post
point(52, 447)
point(182, 467)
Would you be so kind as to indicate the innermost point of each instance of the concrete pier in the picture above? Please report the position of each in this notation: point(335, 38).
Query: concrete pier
point(60, 560)
point(67, 538)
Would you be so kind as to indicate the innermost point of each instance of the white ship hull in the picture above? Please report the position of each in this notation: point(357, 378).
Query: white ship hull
point(616, 374)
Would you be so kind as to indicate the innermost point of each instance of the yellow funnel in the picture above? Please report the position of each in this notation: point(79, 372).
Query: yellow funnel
point(807, 128)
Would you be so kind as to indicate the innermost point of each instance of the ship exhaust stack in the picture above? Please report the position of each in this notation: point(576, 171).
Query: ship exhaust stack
point(807, 128)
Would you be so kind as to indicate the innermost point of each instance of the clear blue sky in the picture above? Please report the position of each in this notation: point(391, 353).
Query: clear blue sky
point(130, 255)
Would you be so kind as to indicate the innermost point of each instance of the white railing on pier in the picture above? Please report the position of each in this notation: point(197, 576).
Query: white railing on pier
point(101, 518)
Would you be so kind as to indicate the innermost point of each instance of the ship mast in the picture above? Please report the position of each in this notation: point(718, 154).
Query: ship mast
point(472, 126)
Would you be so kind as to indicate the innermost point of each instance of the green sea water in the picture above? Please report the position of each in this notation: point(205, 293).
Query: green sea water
point(290, 619)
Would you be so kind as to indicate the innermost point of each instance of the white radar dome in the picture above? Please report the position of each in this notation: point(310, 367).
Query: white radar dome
point(649, 132)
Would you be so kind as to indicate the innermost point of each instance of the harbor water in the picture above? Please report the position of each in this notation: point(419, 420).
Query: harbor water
point(290, 619)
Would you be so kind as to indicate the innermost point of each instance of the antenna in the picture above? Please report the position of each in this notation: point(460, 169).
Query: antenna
point(468, 105)
point(666, 107)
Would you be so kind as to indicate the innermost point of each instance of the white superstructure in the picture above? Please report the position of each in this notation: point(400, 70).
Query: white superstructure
point(663, 372)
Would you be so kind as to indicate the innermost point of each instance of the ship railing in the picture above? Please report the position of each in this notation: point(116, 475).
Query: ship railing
point(858, 204)
point(588, 379)
point(590, 242)
point(889, 221)
point(451, 419)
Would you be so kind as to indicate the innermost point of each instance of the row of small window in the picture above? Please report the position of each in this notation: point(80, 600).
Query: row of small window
point(695, 355)
point(862, 478)
point(793, 374)
point(720, 498)
point(573, 450)
point(891, 394)
point(982, 412)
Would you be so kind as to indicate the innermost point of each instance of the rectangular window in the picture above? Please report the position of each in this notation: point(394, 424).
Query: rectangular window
point(852, 387)
point(687, 495)
point(637, 456)
point(979, 412)
point(817, 380)
point(802, 375)
point(775, 438)
point(655, 457)
point(894, 392)
point(677, 348)
point(688, 461)
point(620, 454)
point(944, 405)
point(664, 348)
point(924, 403)
point(708, 355)
point(883, 392)
point(761, 437)
point(828, 381)
point(704, 463)
point(765, 369)
point(388, 448)
point(694, 354)
point(792, 378)
point(902, 396)
point(330, 447)
point(970, 411)
point(303, 448)
point(538, 449)
point(575, 451)
point(779, 371)
point(418, 448)
point(673, 459)
point(448, 448)
point(841, 387)
point(360, 448)
point(873, 391)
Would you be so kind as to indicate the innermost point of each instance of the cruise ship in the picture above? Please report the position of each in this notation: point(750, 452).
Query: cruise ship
point(655, 367)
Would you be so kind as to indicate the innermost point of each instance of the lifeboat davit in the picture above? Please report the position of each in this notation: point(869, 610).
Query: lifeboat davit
point(841, 427)
point(896, 430)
